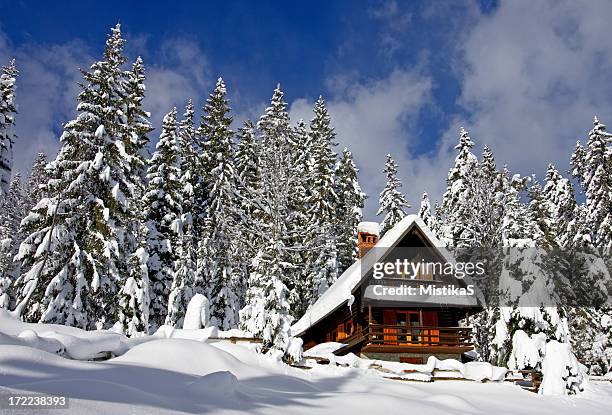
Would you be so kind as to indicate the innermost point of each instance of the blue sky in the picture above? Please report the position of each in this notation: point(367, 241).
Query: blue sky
point(524, 77)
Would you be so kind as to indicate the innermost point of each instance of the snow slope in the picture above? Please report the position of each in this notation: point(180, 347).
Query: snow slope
point(164, 376)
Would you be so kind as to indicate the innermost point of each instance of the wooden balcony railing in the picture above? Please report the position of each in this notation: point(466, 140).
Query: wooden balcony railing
point(384, 334)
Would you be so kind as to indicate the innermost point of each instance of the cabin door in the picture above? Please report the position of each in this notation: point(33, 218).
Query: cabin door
point(430, 319)
point(389, 333)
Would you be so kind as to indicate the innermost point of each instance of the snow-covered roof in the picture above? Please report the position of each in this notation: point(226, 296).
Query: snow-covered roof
point(341, 291)
point(373, 228)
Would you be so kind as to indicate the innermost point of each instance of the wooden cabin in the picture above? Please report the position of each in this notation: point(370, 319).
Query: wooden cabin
point(397, 328)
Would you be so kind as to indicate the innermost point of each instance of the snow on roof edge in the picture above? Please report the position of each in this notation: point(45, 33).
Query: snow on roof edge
point(341, 291)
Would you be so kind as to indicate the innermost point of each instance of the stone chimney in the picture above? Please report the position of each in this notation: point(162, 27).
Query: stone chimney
point(367, 236)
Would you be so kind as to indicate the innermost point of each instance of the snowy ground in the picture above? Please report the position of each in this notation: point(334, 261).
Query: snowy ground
point(163, 376)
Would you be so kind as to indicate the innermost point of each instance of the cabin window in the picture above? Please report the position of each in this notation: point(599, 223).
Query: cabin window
point(406, 320)
point(422, 276)
point(331, 336)
point(341, 331)
point(348, 326)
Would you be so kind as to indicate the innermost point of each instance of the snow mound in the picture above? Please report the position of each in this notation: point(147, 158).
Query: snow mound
point(32, 339)
point(66, 341)
point(477, 371)
point(323, 348)
point(179, 355)
point(221, 384)
point(212, 332)
point(480, 371)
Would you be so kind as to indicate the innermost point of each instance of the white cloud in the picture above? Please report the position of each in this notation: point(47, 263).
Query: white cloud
point(181, 72)
point(45, 96)
point(373, 119)
point(532, 75)
point(535, 74)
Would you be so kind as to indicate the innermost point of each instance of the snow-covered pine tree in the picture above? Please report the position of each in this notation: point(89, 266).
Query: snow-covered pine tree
point(485, 223)
point(134, 299)
point(247, 157)
point(561, 206)
point(518, 228)
point(248, 171)
point(322, 200)
point(74, 257)
point(37, 180)
point(12, 209)
point(437, 219)
point(488, 199)
point(7, 124)
point(540, 211)
point(593, 229)
point(185, 282)
point(456, 203)
point(163, 202)
point(392, 203)
point(577, 162)
point(221, 197)
point(425, 212)
point(135, 293)
point(138, 123)
point(303, 234)
point(597, 184)
point(266, 313)
point(350, 202)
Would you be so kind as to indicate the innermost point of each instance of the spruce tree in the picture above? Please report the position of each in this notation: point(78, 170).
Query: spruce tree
point(597, 184)
point(350, 202)
point(135, 295)
point(425, 211)
point(20, 199)
point(134, 298)
point(266, 313)
point(304, 230)
point(185, 283)
point(592, 227)
point(392, 202)
point(518, 228)
point(8, 110)
point(561, 206)
point(219, 223)
point(322, 200)
point(248, 172)
point(456, 204)
point(37, 180)
point(539, 209)
point(12, 209)
point(74, 257)
point(247, 158)
point(163, 202)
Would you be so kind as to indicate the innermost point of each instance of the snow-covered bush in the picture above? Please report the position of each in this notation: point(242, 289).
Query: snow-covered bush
point(561, 370)
point(198, 313)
